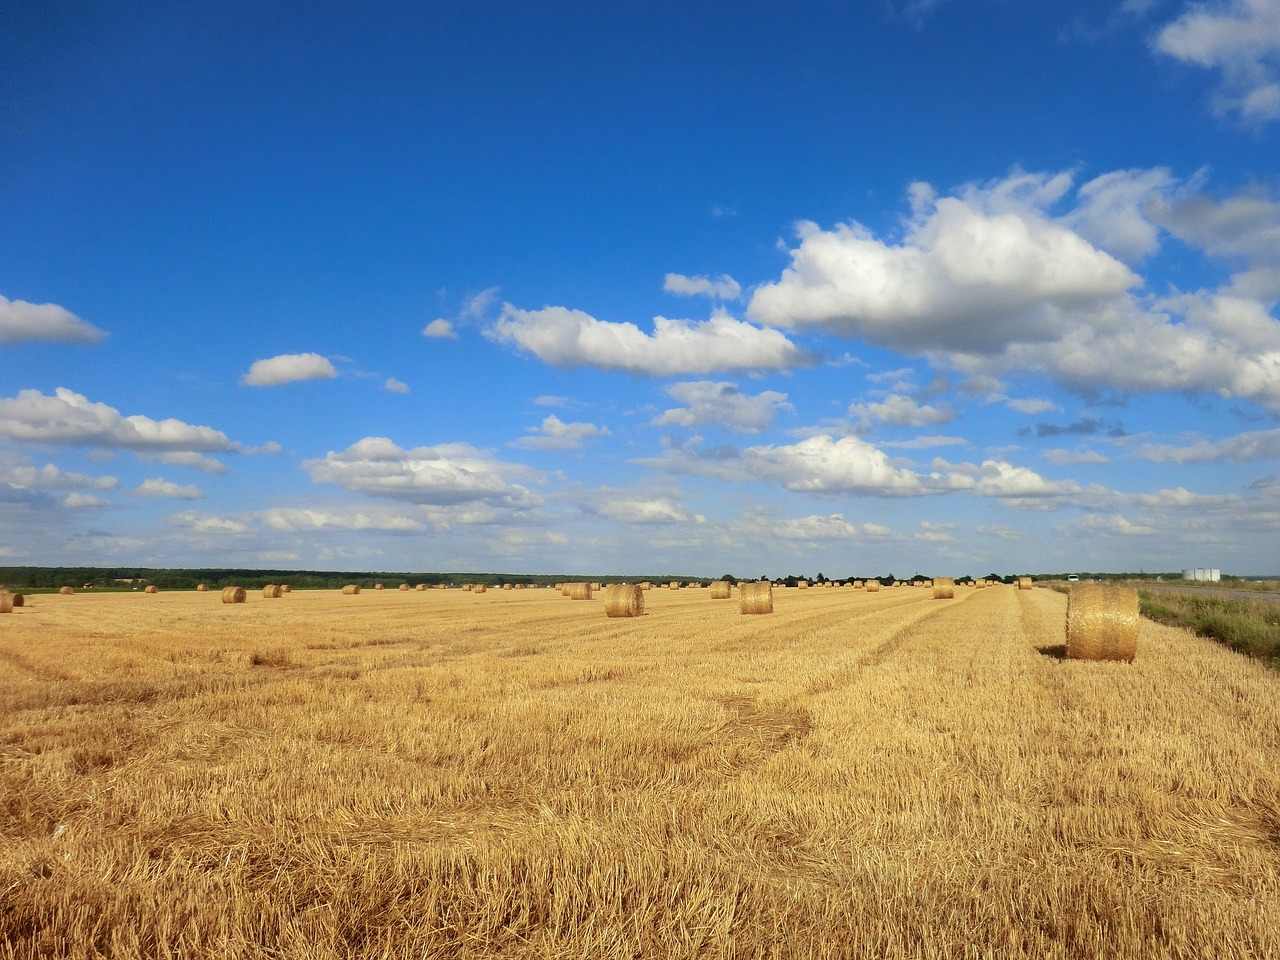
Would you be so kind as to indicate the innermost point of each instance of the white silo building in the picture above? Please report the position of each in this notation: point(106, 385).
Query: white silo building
point(1208, 574)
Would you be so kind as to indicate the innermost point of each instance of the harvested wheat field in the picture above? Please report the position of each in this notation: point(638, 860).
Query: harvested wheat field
point(453, 774)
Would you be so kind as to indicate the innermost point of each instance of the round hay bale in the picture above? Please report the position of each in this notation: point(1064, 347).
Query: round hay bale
point(508, 586)
point(468, 587)
point(1102, 622)
point(721, 590)
point(6, 602)
point(858, 584)
point(65, 591)
point(234, 595)
point(202, 588)
point(272, 591)
point(944, 588)
point(873, 586)
point(421, 587)
point(802, 584)
point(623, 600)
point(285, 588)
point(404, 586)
point(150, 588)
point(646, 585)
point(578, 591)
point(1024, 583)
point(980, 584)
point(674, 585)
point(18, 600)
point(479, 588)
point(377, 586)
point(351, 589)
point(755, 597)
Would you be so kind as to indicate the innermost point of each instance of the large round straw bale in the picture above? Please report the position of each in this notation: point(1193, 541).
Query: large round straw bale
point(1024, 583)
point(351, 589)
point(377, 586)
point(646, 585)
point(802, 584)
point(272, 591)
point(721, 590)
point(234, 595)
point(66, 591)
point(674, 584)
point(755, 597)
point(202, 588)
point(578, 591)
point(623, 600)
point(6, 602)
point(466, 586)
point(508, 586)
point(944, 588)
point(979, 584)
point(1102, 622)
point(480, 588)
point(873, 586)
point(285, 588)
point(404, 586)
point(18, 600)
point(150, 588)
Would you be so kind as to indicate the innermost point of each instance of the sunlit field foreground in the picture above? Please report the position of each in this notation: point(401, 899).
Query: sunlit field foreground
point(443, 774)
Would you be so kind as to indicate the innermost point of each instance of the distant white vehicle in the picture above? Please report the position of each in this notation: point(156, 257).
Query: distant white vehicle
point(1072, 578)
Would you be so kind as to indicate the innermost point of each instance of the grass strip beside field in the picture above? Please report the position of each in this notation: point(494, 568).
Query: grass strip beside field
point(1251, 627)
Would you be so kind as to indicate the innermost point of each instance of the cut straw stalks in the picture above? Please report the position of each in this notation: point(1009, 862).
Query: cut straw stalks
point(623, 600)
point(1102, 622)
point(944, 588)
point(272, 591)
point(755, 597)
point(234, 595)
point(721, 590)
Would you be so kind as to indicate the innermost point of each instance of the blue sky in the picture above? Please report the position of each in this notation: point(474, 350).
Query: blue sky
point(949, 286)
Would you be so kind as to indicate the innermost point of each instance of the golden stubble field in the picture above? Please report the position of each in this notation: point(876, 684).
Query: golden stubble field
point(442, 774)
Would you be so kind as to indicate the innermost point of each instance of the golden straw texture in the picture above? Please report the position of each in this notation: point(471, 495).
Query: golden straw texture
point(944, 588)
point(721, 590)
point(755, 597)
point(351, 589)
point(234, 595)
point(623, 600)
point(1102, 622)
point(578, 591)
point(272, 591)
point(873, 586)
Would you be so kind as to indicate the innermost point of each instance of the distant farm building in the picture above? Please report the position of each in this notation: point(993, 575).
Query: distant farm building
point(1201, 573)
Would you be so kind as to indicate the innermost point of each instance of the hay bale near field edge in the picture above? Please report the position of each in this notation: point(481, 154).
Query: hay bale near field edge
point(202, 588)
point(873, 586)
point(1102, 622)
point(351, 589)
point(65, 591)
point(272, 591)
point(234, 595)
point(578, 591)
point(944, 588)
point(623, 600)
point(1024, 583)
point(721, 590)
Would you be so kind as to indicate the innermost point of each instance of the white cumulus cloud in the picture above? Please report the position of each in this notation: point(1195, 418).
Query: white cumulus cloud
point(27, 322)
point(719, 402)
point(70, 418)
point(723, 287)
point(829, 527)
point(288, 368)
point(440, 329)
point(902, 411)
point(1240, 38)
point(392, 385)
point(76, 500)
point(571, 338)
point(444, 474)
point(160, 487)
point(555, 434)
point(1243, 447)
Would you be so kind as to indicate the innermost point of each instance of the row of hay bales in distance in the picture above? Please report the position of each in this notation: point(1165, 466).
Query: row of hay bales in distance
point(1102, 619)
